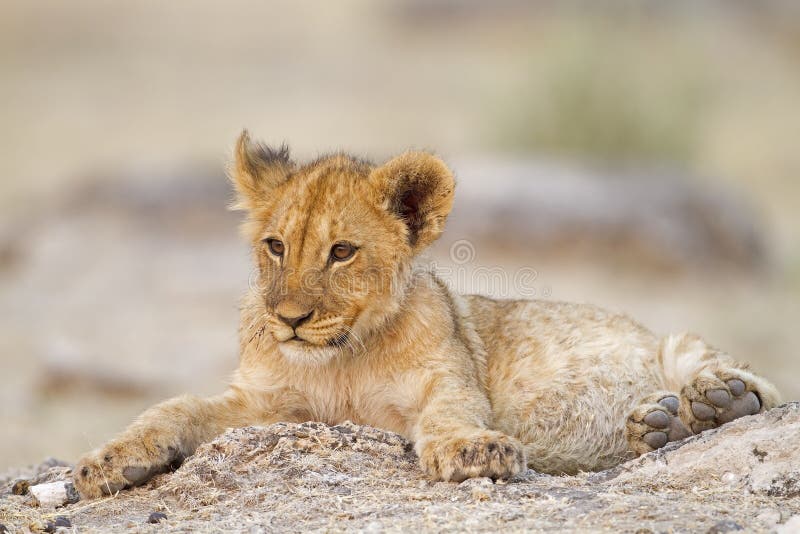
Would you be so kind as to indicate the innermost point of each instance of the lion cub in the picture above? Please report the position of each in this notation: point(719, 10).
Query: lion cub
point(340, 326)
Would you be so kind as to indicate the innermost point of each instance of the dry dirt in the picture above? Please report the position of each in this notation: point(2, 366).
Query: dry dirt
point(300, 477)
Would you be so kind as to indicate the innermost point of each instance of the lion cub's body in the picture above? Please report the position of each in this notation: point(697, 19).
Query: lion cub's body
point(562, 378)
point(341, 326)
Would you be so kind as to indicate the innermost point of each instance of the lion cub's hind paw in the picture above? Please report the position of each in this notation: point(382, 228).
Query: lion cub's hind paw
point(655, 422)
point(714, 399)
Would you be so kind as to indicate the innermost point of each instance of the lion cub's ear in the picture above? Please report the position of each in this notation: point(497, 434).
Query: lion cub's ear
point(256, 170)
point(418, 188)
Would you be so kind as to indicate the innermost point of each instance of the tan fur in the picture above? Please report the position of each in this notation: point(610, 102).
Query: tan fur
point(482, 387)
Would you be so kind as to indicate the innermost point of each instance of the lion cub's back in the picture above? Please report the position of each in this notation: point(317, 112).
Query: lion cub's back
point(563, 377)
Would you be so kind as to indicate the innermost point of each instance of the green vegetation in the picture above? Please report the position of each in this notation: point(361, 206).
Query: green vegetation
point(602, 97)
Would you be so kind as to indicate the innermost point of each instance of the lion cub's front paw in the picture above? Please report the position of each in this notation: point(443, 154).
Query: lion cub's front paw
point(120, 465)
point(484, 454)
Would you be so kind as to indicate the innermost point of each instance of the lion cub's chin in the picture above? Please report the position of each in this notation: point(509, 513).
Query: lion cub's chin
point(304, 353)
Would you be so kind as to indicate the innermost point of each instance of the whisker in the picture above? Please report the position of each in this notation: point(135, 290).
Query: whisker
point(351, 335)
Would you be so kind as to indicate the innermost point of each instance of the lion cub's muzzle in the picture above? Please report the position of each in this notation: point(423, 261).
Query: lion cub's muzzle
point(299, 326)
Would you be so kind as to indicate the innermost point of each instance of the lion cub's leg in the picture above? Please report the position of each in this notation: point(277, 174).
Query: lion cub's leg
point(159, 439)
point(452, 438)
point(714, 389)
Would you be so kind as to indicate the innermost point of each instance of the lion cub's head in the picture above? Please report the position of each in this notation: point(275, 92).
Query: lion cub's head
point(334, 240)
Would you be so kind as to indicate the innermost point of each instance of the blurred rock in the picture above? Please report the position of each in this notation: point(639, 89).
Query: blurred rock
point(647, 217)
point(64, 369)
point(644, 217)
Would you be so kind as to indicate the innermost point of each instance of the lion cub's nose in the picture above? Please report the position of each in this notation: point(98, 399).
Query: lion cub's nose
point(294, 322)
point(292, 314)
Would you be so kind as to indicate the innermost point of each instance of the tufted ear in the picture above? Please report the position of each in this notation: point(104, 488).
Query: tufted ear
point(256, 170)
point(418, 188)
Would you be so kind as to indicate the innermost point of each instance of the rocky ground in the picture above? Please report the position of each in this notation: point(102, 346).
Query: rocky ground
point(290, 477)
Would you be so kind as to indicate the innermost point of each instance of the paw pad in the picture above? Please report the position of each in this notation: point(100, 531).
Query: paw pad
point(747, 404)
point(135, 474)
point(715, 400)
point(719, 397)
point(703, 411)
point(736, 386)
point(671, 403)
point(657, 419)
point(655, 439)
point(655, 423)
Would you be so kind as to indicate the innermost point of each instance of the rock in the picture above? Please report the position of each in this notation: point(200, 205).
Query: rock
point(58, 522)
point(20, 487)
point(480, 488)
point(156, 517)
point(770, 516)
point(347, 477)
point(792, 526)
point(725, 526)
point(656, 216)
point(54, 494)
point(750, 453)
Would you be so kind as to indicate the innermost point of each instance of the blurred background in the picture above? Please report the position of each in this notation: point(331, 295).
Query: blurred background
point(638, 155)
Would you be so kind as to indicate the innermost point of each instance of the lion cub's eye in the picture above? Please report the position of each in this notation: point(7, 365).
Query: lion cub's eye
point(342, 251)
point(275, 246)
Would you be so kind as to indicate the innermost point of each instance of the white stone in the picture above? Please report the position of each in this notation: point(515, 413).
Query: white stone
point(54, 494)
point(792, 526)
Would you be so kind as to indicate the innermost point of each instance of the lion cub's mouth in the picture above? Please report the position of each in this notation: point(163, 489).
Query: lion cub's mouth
point(338, 340)
point(302, 351)
point(313, 336)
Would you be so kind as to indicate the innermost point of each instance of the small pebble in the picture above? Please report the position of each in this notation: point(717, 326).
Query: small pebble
point(374, 526)
point(3, 529)
point(72, 494)
point(20, 487)
point(725, 526)
point(155, 517)
point(480, 494)
point(60, 521)
point(771, 516)
point(730, 478)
